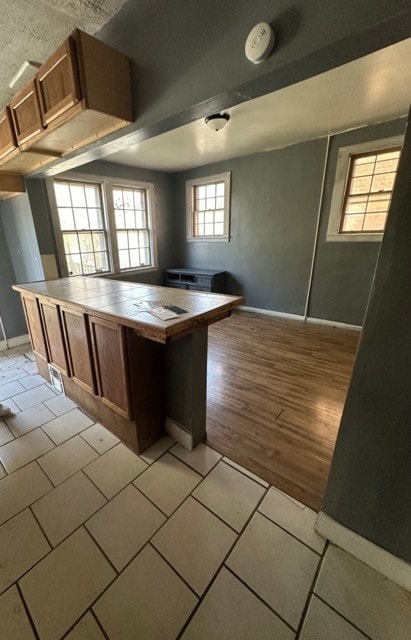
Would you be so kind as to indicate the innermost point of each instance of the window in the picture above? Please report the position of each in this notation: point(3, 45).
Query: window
point(82, 227)
point(363, 188)
point(102, 227)
point(368, 192)
point(133, 232)
point(208, 214)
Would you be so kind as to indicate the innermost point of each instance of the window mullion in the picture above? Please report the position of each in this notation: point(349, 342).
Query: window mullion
point(111, 223)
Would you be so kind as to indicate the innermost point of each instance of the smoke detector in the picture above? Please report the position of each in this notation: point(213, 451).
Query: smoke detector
point(217, 121)
point(260, 43)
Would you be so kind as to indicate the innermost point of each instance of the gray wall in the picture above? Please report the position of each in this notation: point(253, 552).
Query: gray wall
point(21, 238)
point(344, 271)
point(10, 306)
point(274, 208)
point(37, 194)
point(274, 203)
point(369, 488)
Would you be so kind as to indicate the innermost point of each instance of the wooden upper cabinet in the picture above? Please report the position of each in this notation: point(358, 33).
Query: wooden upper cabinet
point(58, 82)
point(25, 112)
point(76, 332)
point(111, 364)
point(54, 336)
point(35, 326)
point(8, 140)
point(81, 94)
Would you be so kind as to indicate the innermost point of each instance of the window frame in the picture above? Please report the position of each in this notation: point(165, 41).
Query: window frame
point(106, 184)
point(342, 175)
point(190, 189)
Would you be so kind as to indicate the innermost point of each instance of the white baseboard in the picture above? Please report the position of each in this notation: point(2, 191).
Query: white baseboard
point(331, 323)
point(14, 342)
point(375, 557)
point(181, 435)
point(269, 312)
point(295, 316)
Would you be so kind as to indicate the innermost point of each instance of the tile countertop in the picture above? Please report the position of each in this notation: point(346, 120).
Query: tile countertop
point(120, 300)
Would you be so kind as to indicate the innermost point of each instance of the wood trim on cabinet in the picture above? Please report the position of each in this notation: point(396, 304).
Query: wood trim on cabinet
point(30, 123)
point(65, 60)
point(35, 326)
point(8, 140)
point(10, 185)
point(56, 346)
point(79, 356)
point(117, 381)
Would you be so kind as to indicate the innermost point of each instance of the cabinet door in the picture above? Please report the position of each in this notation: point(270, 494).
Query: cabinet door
point(111, 364)
point(76, 332)
point(7, 138)
point(57, 81)
point(35, 326)
point(25, 112)
point(54, 336)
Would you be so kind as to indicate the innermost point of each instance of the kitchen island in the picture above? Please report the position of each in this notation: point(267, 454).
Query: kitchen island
point(132, 372)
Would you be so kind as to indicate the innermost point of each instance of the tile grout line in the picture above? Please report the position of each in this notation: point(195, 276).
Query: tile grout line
point(100, 626)
point(93, 425)
point(189, 466)
point(223, 564)
point(243, 472)
point(41, 529)
point(238, 533)
point(290, 534)
point(93, 602)
point(149, 543)
point(31, 621)
point(278, 615)
point(342, 615)
point(310, 593)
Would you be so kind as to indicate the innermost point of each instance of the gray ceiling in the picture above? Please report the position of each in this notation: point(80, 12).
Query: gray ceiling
point(33, 29)
point(371, 89)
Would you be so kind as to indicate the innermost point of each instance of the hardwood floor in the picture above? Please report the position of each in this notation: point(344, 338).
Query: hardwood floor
point(276, 390)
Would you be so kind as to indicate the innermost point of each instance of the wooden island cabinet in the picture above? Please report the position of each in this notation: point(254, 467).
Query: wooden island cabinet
point(134, 373)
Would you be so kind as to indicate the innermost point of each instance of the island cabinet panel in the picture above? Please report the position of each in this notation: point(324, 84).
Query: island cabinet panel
point(111, 364)
point(78, 344)
point(58, 82)
point(25, 112)
point(35, 326)
point(54, 336)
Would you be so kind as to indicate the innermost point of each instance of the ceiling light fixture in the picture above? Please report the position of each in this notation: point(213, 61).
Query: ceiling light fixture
point(217, 121)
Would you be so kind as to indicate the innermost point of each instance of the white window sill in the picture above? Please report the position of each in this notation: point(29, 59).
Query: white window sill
point(354, 237)
point(123, 272)
point(209, 239)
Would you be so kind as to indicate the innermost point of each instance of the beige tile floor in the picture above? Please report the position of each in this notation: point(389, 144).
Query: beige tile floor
point(98, 543)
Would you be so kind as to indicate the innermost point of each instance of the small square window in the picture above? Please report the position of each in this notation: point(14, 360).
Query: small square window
point(368, 191)
point(364, 183)
point(208, 202)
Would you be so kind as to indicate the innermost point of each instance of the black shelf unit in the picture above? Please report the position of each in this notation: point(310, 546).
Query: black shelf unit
point(196, 279)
